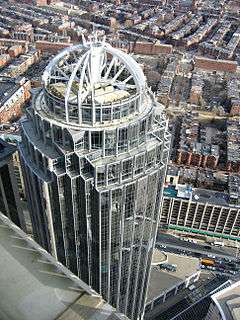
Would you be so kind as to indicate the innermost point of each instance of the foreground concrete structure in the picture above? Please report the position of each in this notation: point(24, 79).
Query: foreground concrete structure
point(35, 286)
point(94, 152)
point(225, 304)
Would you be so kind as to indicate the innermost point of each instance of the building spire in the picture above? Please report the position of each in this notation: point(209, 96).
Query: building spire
point(96, 37)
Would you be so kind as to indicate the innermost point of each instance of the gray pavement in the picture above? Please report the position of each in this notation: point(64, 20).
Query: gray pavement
point(174, 244)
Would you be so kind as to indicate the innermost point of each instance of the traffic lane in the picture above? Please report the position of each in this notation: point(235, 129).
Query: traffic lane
point(204, 253)
point(167, 239)
point(171, 240)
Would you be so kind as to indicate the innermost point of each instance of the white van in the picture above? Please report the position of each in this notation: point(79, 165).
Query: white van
point(218, 243)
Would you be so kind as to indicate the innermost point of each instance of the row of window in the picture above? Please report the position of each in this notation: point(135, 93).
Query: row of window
point(204, 217)
point(102, 114)
point(126, 169)
point(118, 140)
point(130, 203)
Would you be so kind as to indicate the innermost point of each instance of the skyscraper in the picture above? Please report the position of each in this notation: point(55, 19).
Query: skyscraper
point(94, 152)
point(9, 196)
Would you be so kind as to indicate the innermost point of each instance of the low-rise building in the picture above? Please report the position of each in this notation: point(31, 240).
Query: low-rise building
point(200, 211)
point(152, 48)
point(169, 276)
point(216, 65)
point(51, 47)
point(13, 95)
point(196, 145)
point(233, 144)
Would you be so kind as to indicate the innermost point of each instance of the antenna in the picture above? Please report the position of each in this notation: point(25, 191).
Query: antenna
point(97, 36)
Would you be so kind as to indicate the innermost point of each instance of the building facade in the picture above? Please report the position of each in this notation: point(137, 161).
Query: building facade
point(94, 152)
point(201, 216)
point(13, 95)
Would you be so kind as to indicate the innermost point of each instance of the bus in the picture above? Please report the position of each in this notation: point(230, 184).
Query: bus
point(207, 262)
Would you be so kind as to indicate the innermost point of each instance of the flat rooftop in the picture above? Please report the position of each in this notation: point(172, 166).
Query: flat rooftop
point(37, 142)
point(7, 88)
point(199, 195)
point(103, 93)
point(35, 286)
point(163, 280)
point(211, 196)
point(228, 301)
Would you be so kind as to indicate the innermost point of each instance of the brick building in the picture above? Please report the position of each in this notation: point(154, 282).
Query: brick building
point(215, 65)
point(151, 48)
point(13, 95)
point(53, 47)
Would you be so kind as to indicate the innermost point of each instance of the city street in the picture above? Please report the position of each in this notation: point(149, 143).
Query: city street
point(173, 244)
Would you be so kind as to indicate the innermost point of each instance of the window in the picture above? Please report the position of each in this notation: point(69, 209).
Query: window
point(149, 122)
point(96, 140)
point(134, 136)
point(86, 140)
point(132, 107)
point(86, 115)
point(58, 137)
point(59, 164)
point(151, 158)
point(139, 164)
point(116, 113)
point(40, 159)
point(142, 131)
point(113, 173)
point(106, 114)
point(73, 114)
point(125, 111)
point(110, 142)
point(72, 163)
point(127, 169)
point(98, 115)
point(47, 129)
point(159, 154)
point(79, 144)
point(101, 176)
point(123, 140)
point(129, 202)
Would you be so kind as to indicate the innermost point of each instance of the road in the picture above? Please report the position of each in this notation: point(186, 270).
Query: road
point(174, 245)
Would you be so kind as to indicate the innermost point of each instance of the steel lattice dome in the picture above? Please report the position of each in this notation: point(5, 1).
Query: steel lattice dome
point(93, 78)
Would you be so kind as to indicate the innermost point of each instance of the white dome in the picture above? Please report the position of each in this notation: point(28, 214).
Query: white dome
point(93, 74)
